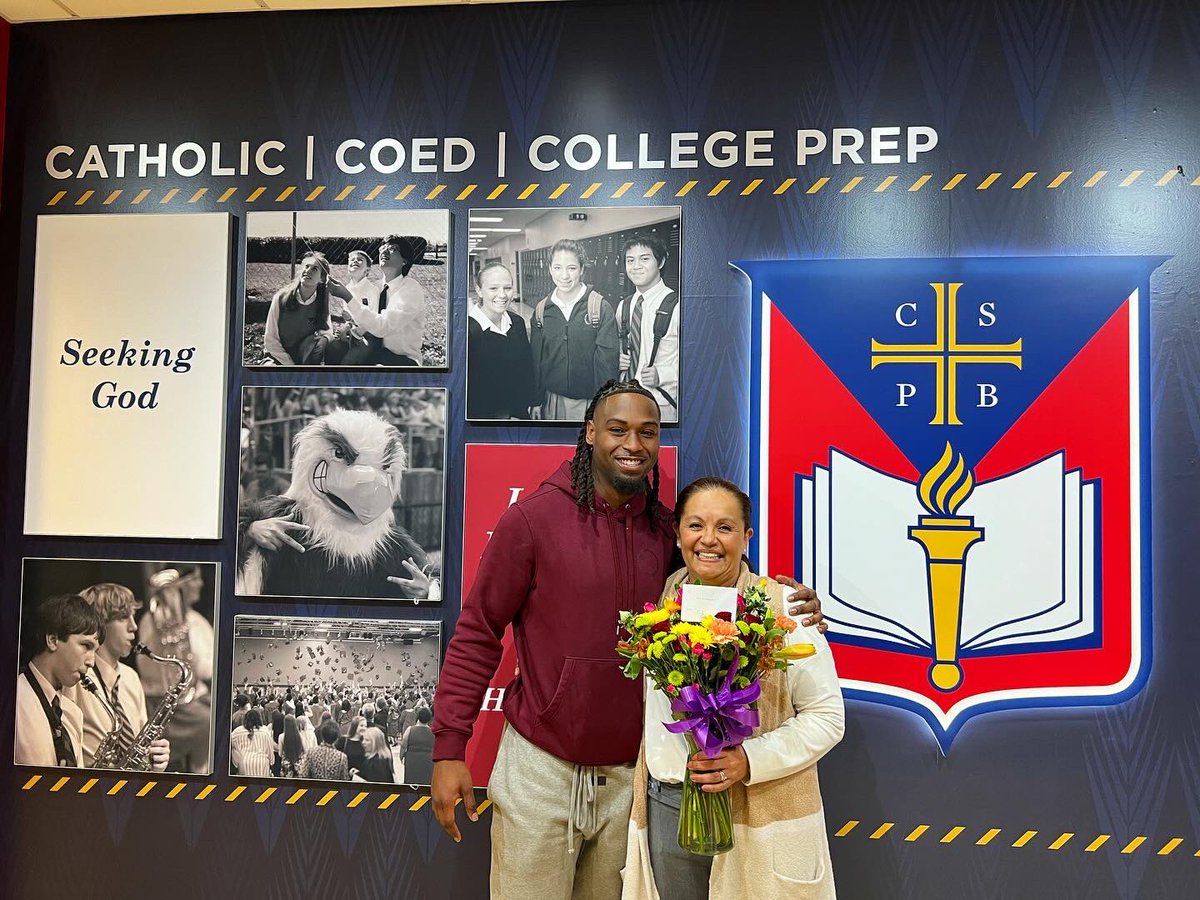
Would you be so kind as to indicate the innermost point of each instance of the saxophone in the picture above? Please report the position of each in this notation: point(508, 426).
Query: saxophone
point(137, 757)
point(106, 754)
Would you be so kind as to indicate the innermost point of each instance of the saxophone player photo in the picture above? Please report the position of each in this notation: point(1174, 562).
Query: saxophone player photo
point(125, 651)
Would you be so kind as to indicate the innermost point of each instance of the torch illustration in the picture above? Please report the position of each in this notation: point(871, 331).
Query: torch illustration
point(945, 538)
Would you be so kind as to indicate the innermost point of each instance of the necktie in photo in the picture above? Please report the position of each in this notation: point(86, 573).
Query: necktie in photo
point(125, 733)
point(63, 751)
point(383, 298)
point(635, 336)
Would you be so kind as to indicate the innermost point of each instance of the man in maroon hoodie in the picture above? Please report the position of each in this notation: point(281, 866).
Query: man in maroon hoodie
point(562, 563)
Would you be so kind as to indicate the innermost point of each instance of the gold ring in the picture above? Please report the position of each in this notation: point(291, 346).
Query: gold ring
point(723, 776)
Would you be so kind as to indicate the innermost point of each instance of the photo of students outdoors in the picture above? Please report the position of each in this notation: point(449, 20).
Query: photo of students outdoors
point(348, 289)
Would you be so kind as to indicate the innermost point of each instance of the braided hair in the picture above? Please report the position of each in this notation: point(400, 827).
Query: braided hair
point(581, 463)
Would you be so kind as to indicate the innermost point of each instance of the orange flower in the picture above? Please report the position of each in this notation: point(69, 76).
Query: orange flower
point(782, 621)
point(723, 632)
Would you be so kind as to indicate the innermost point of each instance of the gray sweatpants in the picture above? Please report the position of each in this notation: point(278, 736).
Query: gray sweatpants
point(536, 853)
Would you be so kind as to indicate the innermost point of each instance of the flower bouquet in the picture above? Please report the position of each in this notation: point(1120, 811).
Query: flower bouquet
point(711, 672)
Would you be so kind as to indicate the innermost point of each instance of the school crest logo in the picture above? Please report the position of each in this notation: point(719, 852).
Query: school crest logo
point(954, 454)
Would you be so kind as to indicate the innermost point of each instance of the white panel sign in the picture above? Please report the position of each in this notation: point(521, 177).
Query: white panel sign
point(127, 376)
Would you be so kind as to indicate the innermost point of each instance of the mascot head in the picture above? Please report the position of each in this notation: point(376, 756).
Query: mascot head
point(346, 472)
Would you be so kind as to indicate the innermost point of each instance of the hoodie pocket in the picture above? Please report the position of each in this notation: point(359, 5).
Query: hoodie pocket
point(595, 711)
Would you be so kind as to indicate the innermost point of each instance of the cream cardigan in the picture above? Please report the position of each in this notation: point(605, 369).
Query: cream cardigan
point(780, 849)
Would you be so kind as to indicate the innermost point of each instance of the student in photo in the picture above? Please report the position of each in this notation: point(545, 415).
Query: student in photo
point(48, 731)
point(396, 329)
point(574, 340)
point(120, 688)
point(648, 325)
point(499, 360)
point(364, 293)
point(298, 325)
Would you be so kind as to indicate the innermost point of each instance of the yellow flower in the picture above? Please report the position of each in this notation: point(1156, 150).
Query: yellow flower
point(652, 618)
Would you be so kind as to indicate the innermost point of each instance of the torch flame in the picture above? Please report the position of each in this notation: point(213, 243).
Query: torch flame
point(943, 489)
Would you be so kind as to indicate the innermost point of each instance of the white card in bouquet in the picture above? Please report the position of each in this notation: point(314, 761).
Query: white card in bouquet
point(700, 600)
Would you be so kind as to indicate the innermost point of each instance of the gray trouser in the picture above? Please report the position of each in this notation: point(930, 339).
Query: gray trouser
point(537, 854)
point(678, 874)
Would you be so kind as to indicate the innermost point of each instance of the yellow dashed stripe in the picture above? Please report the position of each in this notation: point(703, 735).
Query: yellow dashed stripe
point(1132, 177)
point(1166, 178)
point(954, 182)
point(1169, 846)
point(1023, 180)
point(174, 792)
point(285, 193)
point(524, 195)
point(591, 189)
point(1095, 179)
point(919, 183)
point(817, 185)
point(1024, 839)
point(84, 198)
point(620, 192)
point(113, 196)
point(375, 191)
point(1095, 845)
point(53, 201)
point(405, 191)
point(1134, 844)
point(147, 788)
point(718, 187)
point(882, 830)
point(884, 185)
point(235, 793)
point(346, 192)
point(362, 795)
point(421, 801)
point(499, 189)
point(847, 828)
point(392, 798)
point(950, 835)
point(315, 193)
point(265, 795)
point(116, 788)
point(255, 194)
point(466, 192)
point(436, 192)
point(987, 182)
point(851, 184)
point(329, 795)
point(988, 837)
point(292, 800)
point(205, 791)
point(196, 196)
point(482, 806)
point(169, 195)
point(683, 191)
point(1061, 840)
point(229, 192)
point(1059, 179)
point(917, 832)
point(751, 187)
point(655, 188)
point(787, 183)
point(60, 784)
point(88, 785)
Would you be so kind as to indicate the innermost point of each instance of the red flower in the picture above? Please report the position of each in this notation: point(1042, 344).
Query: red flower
point(697, 649)
point(707, 655)
point(724, 616)
point(660, 627)
point(741, 602)
point(649, 607)
point(670, 688)
point(752, 619)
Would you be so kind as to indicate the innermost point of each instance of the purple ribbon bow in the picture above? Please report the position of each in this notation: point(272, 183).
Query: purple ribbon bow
point(717, 721)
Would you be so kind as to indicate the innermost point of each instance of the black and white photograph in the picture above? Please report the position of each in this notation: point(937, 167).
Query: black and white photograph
point(334, 699)
point(562, 300)
point(342, 493)
point(347, 289)
point(116, 665)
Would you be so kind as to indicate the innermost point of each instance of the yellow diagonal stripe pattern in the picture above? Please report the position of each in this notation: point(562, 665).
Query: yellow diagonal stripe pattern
point(851, 184)
point(60, 784)
point(718, 187)
point(524, 195)
point(1099, 842)
point(205, 791)
point(375, 191)
point(285, 193)
point(344, 193)
point(362, 795)
point(1095, 179)
point(147, 788)
point(882, 830)
point(1059, 179)
point(988, 837)
point(686, 189)
point(53, 201)
point(847, 828)
point(84, 198)
point(817, 185)
point(1024, 839)
point(174, 792)
point(1166, 178)
point(885, 184)
point(265, 795)
point(783, 187)
point(1023, 180)
point(116, 788)
point(620, 192)
point(917, 832)
point(235, 793)
point(33, 779)
point(751, 187)
point(919, 183)
point(113, 196)
point(1169, 846)
point(169, 195)
point(497, 191)
point(560, 190)
point(405, 191)
point(392, 798)
point(482, 806)
point(1134, 844)
point(987, 182)
point(1061, 840)
point(198, 195)
point(654, 188)
point(229, 192)
point(436, 192)
point(315, 193)
point(142, 195)
point(954, 182)
point(1132, 177)
point(591, 189)
point(329, 795)
point(295, 798)
point(950, 835)
point(88, 785)
point(255, 194)
point(421, 801)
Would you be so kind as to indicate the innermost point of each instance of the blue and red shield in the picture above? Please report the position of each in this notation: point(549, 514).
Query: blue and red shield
point(954, 454)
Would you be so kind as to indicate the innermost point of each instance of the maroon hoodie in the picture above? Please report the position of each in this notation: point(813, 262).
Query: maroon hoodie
point(560, 575)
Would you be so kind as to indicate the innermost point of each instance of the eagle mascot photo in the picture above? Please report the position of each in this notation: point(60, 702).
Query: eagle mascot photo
point(333, 532)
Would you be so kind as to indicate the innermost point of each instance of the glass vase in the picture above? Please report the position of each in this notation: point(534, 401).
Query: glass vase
point(705, 818)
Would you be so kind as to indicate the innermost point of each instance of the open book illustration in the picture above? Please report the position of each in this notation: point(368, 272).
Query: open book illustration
point(1019, 553)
